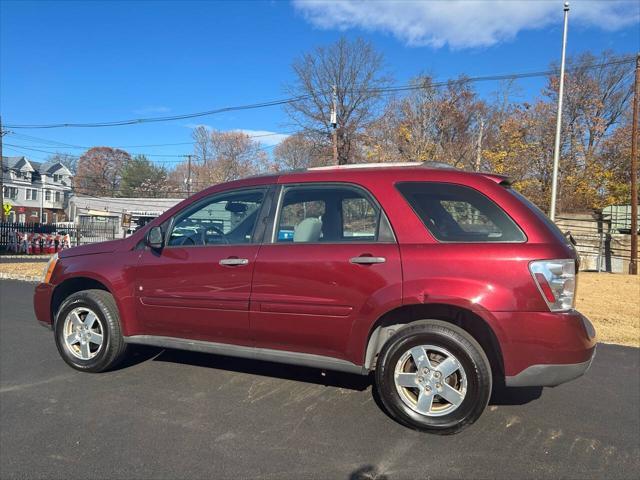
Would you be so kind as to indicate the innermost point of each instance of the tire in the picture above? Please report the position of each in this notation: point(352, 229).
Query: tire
point(77, 333)
point(409, 389)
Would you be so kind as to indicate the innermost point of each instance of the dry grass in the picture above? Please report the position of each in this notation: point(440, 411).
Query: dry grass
point(23, 268)
point(610, 301)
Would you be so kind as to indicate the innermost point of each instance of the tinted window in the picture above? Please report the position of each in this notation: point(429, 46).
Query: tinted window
point(228, 218)
point(310, 214)
point(542, 217)
point(455, 213)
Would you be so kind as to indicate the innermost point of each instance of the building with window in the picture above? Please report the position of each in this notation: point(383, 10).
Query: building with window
point(106, 213)
point(37, 192)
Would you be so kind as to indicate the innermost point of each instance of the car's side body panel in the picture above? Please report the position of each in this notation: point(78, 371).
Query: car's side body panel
point(306, 297)
point(309, 298)
point(186, 292)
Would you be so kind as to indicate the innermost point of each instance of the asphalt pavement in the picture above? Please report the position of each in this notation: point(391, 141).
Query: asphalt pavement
point(170, 414)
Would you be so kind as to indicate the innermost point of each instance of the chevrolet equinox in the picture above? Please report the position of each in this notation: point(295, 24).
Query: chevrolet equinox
point(441, 282)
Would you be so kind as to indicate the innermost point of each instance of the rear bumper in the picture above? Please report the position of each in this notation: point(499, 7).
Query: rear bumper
point(549, 375)
point(42, 304)
point(544, 348)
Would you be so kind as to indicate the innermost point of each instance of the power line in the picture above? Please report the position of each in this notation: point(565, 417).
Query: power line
point(50, 152)
point(166, 118)
point(31, 138)
point(23, 149)
point(383, 90)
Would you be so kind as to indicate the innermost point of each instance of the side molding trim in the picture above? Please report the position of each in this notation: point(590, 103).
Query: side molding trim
point(265, 354)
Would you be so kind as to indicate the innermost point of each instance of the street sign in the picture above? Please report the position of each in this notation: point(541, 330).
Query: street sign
point(7, 208)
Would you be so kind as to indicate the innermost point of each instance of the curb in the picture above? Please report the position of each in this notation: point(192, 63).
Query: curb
point(23, 278)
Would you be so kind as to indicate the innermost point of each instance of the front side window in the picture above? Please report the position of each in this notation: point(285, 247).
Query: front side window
point(326, 213)
point(455, 213)
point(223, 219)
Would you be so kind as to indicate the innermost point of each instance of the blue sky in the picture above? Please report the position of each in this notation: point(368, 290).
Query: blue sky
point(96, 61)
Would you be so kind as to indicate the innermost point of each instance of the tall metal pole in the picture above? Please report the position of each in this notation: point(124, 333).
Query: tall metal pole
point(556, 149)
point(633, 264)
point(189, 175)
point(41, 200)
point(334, 124)
point(1, 175)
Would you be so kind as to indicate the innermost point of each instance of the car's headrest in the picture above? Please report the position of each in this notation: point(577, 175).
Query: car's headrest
point(308, 230)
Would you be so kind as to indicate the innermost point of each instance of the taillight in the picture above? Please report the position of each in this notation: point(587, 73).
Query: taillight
point(556, 280)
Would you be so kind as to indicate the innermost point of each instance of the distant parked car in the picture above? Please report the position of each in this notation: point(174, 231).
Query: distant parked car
point(442, 282)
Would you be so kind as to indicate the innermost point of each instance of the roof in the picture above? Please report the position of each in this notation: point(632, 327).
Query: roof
point(49, 168)
point(344, 172)
point(124, 204)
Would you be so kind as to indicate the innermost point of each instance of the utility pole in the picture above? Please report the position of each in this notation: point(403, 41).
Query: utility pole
point(479, 145)
point(41, 201)
point(556, 149)
point(334, 124)
point(188, 180)
point(1, 174)
point(633, 264)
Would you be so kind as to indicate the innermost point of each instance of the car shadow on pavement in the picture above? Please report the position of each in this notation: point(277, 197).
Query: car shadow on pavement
point(501, 394)
point(267, 369)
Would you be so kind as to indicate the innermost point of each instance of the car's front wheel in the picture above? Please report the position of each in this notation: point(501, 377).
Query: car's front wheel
point(433, 376)
point(88, 333)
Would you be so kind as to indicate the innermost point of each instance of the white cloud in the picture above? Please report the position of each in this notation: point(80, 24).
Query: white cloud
point(460, 23)
point(152, 109)
point(265, 137)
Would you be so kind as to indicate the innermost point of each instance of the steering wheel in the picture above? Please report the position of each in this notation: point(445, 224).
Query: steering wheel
point(219, 231)
point(186, 240)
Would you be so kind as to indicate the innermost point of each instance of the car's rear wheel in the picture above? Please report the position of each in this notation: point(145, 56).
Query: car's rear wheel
point(433, 376)
point(88, 333)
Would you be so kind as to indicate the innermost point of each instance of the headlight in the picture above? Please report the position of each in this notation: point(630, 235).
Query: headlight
point(556, 280)
point(51, 264)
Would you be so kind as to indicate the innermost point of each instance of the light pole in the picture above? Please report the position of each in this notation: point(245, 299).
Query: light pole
point(556, 149)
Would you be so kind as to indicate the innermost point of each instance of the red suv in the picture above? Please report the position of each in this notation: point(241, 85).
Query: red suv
point(440, 281)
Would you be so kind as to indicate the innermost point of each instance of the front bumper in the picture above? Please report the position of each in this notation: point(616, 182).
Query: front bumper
point(543, 348)
point(42, 304)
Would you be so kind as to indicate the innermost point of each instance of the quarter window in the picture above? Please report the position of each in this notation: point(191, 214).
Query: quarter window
point(224, 219)
point(455, 213)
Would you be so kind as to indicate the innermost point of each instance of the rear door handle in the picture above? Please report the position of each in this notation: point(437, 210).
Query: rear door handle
point(367, 260)
point(233, 262)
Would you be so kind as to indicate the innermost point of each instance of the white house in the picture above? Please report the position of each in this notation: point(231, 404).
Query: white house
point(37, 192)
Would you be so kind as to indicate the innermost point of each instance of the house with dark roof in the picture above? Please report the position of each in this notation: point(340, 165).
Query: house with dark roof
point(37, 192)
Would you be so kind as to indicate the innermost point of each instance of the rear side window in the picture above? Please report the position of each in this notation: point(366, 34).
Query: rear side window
point(455, 213)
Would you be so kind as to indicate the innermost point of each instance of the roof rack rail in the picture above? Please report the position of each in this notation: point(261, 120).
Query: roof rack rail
point(384, 165)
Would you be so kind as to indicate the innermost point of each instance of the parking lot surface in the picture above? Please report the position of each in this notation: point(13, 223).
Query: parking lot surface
point(170, 414)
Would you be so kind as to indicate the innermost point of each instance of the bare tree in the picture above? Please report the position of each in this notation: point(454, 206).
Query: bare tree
point(66, 159)
point(300, 151)
point(432, 123)
point(355, 70)
point(100, 171)
point(230, 156)
point(202, 148)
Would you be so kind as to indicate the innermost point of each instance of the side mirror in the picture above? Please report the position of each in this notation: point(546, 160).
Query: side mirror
point(154, 238)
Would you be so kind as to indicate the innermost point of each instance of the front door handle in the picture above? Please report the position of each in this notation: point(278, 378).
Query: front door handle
point(367, 260)
point(233, 262)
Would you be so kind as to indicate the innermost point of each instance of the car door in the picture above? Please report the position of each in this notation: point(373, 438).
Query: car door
point(197, 286)
point(332, 260)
